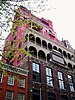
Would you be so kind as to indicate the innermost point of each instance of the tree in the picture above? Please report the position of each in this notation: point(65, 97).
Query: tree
point(8, 10)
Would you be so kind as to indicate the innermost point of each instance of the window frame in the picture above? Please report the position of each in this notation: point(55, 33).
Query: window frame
point(23, 83)
point(1, 78)
point(50, 76)
point(21, 94)
point(9, 97)
point(9, 80)
point(71, 85)
point(36, 72)
point(61, 80)
point(36, 93)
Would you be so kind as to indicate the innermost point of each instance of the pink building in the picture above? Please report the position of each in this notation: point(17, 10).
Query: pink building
point(51, 64)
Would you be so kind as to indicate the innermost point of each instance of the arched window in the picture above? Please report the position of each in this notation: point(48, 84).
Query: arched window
point(26, 37)
point(54, 47)
point(69, 56)
point(33, 51)
point(44, 44)
point(65, 54)
point(48, 57)
point(60, 50)
point(31, 37)
point(38, 41)
point(20, 45)
point(70, 66)
point(41, 55)
point(74, 67)
point(49, 46)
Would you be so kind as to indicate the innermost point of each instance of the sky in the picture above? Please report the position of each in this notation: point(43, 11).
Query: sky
point(62, 14)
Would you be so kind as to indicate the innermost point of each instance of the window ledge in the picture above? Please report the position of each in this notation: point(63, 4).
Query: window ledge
point(36, 83)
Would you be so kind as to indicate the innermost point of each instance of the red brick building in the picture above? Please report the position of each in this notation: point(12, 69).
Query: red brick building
point(52, 63)
point(13, 84)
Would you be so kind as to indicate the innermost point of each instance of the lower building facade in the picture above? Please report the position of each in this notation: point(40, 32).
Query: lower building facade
point(13, 83)
point(49, 81)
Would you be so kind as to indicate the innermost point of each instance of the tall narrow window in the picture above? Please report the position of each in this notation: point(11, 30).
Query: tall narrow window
point(61, 80)
point(0, 77)
point(22, 82)
point(36, 94)
point(21, 96)
point(10, 80)
point(49, 77)
point(9, 95)
point(71, 83)
point(36, 72)
point(51, 96)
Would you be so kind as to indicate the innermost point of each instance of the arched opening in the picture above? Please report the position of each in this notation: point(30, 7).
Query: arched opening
point(44, 44)
point(60, 50)
point(65, 54)
point(38, 41)
point(69, 56)
point(25, 52)
point(48, 57)
point(72, 57)
point(26, 37)
point(49, 46)
point(65, 63)
point(74, 67)
point(31, 37)
point(41, 55)
point(70, 66)
point(54, 47)
point(33, 51)
point(20, 45)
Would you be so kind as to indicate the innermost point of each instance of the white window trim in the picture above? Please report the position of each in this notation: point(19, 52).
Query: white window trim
point(23, 85)
point(13, 80)
point(12, 94)
point(62, 80)
point(22, 94)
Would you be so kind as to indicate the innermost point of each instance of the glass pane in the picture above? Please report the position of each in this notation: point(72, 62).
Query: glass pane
point(49, 81)
point(71, 88)
point(0, 76)
point(10, 80)
point(61, 84)
point(9, 95)
point(35, 67)
point(48, 72)
point(21, 96)
point(60, 76)
point(21, 82)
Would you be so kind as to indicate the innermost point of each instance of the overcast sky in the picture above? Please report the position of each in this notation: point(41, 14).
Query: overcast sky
point(62, 14)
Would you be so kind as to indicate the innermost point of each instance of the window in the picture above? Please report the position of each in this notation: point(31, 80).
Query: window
point(22, 82)
point(61, 81)
point(64, 97)
point(71, 83)
point(10, 80)
point(36, 94)
point(20, 96)
point(36, 72)
point(51, 96)
point(20, 45)
point(36, 67)
point(49, 77)
point(0, 77)
point(9, 95)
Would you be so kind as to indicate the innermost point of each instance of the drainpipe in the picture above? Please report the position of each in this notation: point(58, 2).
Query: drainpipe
point(40, 93)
